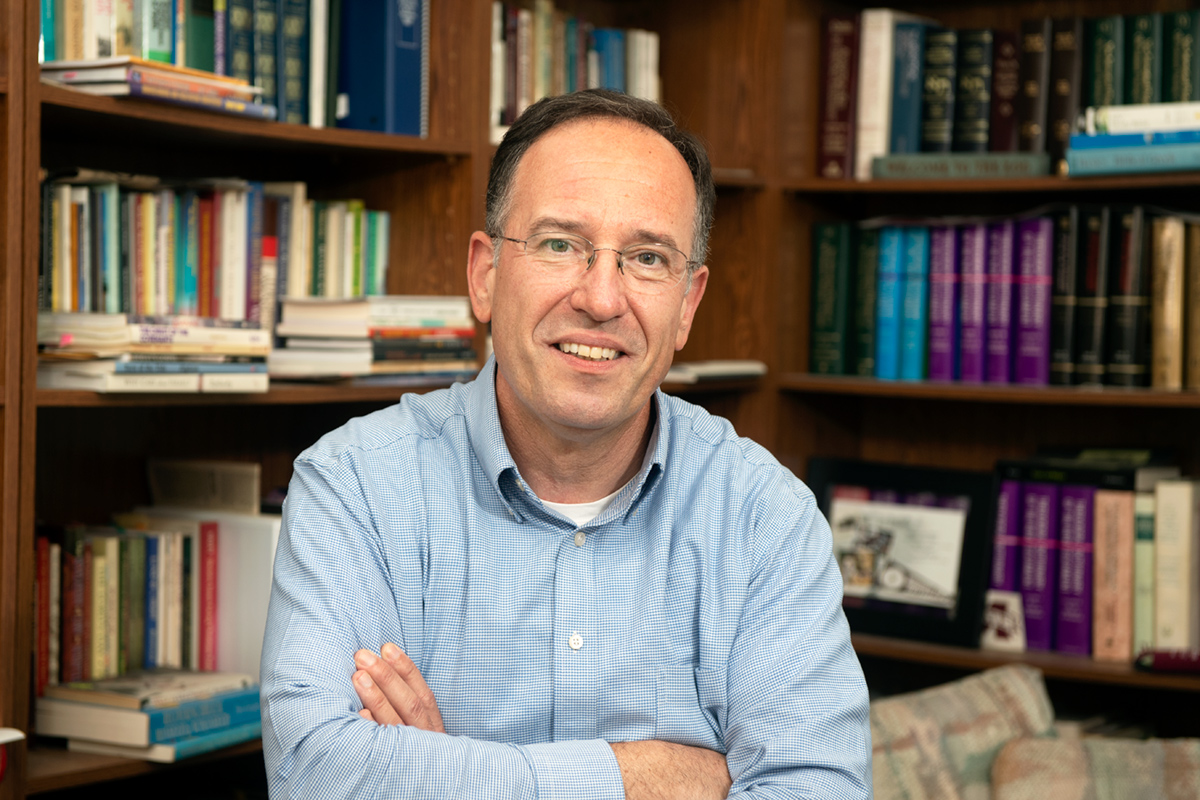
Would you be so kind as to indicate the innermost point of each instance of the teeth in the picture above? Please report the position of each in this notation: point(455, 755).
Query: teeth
point(590, 353)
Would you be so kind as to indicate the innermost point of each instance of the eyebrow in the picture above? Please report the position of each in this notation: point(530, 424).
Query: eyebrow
point(640, 236)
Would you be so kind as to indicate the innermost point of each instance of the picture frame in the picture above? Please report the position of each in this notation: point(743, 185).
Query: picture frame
point(914, 545)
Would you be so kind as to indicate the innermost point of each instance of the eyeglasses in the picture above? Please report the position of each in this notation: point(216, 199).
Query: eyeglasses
point(649, 268)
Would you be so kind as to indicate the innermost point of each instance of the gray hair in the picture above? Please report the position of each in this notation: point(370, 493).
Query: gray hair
point(548, 113)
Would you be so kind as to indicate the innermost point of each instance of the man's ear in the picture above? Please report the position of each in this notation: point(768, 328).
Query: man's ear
point(481, 274)
point(691, 301)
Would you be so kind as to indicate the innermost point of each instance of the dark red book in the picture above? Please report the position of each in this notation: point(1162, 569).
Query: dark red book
point(839, 93)
point(42, 620)
point(1006, 80)
point(1066, 81)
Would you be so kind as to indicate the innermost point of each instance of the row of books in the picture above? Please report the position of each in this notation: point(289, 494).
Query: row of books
point(1067, 295)
point(324, 63)
point(899, 83)
point(220, 248)
point(388, 338)
point(162, 715)
point(1161, 137)
point(1100, 553)
point(539, 50)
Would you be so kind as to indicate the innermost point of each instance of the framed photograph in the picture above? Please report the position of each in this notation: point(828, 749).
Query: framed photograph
point(913, 544)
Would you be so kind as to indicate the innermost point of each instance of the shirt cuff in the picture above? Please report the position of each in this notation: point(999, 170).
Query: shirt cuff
point(577, 770)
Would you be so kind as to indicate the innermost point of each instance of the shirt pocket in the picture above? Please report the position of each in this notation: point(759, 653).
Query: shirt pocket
point(691, 706)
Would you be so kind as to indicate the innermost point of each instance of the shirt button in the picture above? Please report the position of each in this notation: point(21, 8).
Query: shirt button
point(576, 641)
point(580, 538)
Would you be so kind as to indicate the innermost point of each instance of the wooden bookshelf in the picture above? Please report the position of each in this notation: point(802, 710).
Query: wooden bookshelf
point(744, 74)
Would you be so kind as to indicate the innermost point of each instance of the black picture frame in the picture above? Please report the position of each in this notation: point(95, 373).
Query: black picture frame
point(964, 623)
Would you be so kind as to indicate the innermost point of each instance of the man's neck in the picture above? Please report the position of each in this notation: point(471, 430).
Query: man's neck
point(577, 468)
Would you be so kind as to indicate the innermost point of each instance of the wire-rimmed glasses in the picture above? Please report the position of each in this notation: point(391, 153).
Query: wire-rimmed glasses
point(648, 267)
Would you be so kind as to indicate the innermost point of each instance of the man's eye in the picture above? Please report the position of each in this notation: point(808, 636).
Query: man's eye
point(558, 245)
point(648, 258)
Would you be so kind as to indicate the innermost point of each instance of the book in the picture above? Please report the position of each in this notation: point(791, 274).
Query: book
point(1039, 561)
point(1191, 332)
point(1006, 537)
point(1176, 578)
point(943, 303)
point(1006, 84)
point(152, 688)
point(908, 54)
point(1031, 351)
point(137, 70)
point(1125, 160)
point(1091, 295)
point(889, 302)
point(839, 56)
point(149, 725)
point(1148, 118)
point(1073, 605)
point(830, 313)
point(1106, 141)
point(959, 166)
point(1104, 61)
point(938, 94)
point(1128, 323)
point(1033, 97)
point(714, 370)
point(1143, 58)
point(1180, 66)
point(68, 377)
point(1143, 571)
point(1166, 302)
point(999, 310)
point(865, 285)
point(1066, 83)
point(973, 103)
point(234, 486)
point(873, 114)
point(972, 316)
point(199, 33)
point(136, 88)
point(914, 313)
point(265, 48)
point(239, 41)
point(318, 54)
point(1062, 299)
point(1114, 554)
point(175, 750)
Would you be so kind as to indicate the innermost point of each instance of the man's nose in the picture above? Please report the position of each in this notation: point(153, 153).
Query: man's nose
point(600, 291)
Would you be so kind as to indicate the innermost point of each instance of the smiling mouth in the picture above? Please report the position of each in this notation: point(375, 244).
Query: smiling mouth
point(589, 353)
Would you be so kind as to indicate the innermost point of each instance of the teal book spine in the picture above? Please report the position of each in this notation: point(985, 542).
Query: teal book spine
point(1125, 160)
point(914, 314)
point(908, 41)
point(888, 302)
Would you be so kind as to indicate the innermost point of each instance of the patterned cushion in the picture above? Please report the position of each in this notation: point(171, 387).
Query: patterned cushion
point(1084, 769)
point(939, 743)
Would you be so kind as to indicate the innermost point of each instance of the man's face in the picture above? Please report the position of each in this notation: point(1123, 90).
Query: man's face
point(616, 184)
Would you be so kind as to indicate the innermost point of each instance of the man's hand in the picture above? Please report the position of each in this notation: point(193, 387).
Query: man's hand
point(393, 692)
point(654, 770)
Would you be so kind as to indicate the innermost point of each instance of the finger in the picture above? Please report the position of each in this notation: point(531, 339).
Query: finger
point(374, 700)
point(367, 715)
point(403, 706)
point(406, 669)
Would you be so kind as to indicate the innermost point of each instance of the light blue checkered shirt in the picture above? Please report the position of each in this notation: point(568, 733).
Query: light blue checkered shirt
point(703, 606)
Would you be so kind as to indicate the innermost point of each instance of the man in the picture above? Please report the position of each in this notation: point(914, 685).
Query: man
point(576, 586)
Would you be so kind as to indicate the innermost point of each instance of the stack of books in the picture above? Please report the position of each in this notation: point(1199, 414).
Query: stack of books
point(131, 76)
point(385, 337)
point(159, 715)
point(117, 353)
point(1160, 137)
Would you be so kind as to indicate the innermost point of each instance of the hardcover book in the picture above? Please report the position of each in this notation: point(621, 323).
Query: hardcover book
point(1143, 571)
point(1073, 632)
point(1166, 303)
point(1062, 300)
point(1180, 65)
point(865, 288)
point(839, 58)
point(914, 303)
point(1176, 548)
point(1104, 55)
point(1113, 571)
point(1091, 294)
point(1066, 82)
point(832, 259)
point(1031, 357)
point(972, 259)
point(943, 303)
point(889, 302)
point(1032, 99)
point(875, 71)
point(1039, 561)
point(1006, 543)
point(973, 101)
point(907, 87)
point(1000, 290)
point(1006, 85)
point(937, 96)
point(1128, 324)
point(1143, 58)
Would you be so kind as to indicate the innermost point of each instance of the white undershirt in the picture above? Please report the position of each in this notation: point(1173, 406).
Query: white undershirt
point(583, 513)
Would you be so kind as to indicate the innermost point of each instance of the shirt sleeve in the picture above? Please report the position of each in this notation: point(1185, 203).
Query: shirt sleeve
point(797, 708)
point(331, 595)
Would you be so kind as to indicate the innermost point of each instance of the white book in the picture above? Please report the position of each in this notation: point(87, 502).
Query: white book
point(1142, 118)
point(235, 383)
point(383, 221)
point(90, 40)
point(118, 383)
point(1177, 574)
point(245, 560)
point(318, 49)
point(233, 254)
point(103, 22)
point(1143, 571)
point(350, 267)
point(873, 121)
point(297, 250)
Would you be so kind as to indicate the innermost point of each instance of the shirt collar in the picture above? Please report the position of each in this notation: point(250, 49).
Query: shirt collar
point(487, 440)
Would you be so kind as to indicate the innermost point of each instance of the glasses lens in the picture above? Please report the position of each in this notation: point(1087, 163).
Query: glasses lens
point(653, 267)
point(647, 268)
point(559, 251)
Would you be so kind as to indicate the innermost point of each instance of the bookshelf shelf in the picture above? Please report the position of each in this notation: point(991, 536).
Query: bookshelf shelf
point(1030, 186)
point(54, 768)
point(281, 393)
point(737, 178)
point(1006, 394)
point(1052, 665)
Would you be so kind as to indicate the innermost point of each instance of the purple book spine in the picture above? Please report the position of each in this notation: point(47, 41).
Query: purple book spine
point(972, 319)
point(1039, 562)
point(1006, 539)
point(885, 496)
point(1032, 359)
point(1001, 246)
point(1074, 631)
point(943, 303)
